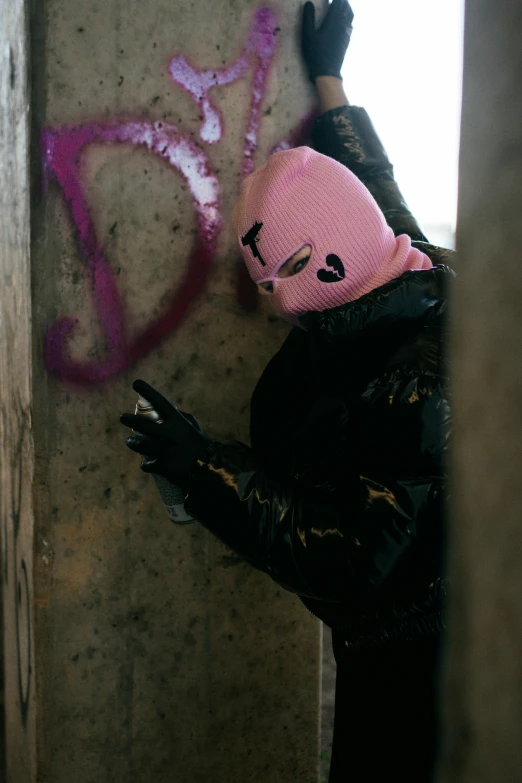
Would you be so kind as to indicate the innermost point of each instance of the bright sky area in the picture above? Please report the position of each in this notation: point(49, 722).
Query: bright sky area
point(404, 65)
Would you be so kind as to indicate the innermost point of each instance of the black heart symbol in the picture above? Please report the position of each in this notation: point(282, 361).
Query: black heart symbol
point(326, 276)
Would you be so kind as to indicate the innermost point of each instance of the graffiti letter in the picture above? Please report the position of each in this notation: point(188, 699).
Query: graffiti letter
point(261, 44)
point(61, 150)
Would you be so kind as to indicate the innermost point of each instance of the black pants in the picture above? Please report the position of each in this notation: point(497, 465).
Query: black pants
point(386, 714)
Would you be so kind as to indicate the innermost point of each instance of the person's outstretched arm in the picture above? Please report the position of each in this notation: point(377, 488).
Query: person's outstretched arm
point(345, 132)
point(328, 546)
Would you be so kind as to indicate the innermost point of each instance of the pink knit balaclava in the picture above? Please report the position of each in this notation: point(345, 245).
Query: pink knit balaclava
point(300, 197)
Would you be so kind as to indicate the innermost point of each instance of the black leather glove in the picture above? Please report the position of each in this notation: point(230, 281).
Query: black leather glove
point(171, 447)
point(324, 49)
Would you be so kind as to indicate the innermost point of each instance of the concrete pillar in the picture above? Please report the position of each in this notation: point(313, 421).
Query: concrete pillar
point(134, 649)
point(17, 458)
point(483, 698)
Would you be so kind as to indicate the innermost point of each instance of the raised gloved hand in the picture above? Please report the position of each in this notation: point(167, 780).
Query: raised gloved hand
point(324, 49)
point(171, 447)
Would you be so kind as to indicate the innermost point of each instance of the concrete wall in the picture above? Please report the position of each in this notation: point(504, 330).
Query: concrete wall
point(136, 649)
point(484, 671)
point(16, 374)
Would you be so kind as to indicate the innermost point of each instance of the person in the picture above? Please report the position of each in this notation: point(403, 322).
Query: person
point(340, 497)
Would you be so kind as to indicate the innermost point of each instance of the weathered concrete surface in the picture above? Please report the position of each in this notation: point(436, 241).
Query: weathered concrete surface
point(157, 656)
point(328, 680)
point(484, 689)
point(16, 440)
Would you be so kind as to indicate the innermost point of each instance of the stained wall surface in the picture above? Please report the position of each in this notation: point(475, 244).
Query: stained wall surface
point(136, 649)
point(17, 455)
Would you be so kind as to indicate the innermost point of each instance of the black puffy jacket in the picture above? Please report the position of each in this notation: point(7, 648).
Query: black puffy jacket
point(340, 499)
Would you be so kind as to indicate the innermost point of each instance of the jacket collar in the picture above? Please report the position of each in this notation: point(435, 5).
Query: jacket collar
point(406, 303)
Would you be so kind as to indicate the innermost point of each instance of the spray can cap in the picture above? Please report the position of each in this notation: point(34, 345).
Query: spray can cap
point(143, 403)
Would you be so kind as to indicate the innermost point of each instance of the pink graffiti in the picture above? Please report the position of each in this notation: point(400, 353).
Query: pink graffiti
point(62, 149)
point(260, 46)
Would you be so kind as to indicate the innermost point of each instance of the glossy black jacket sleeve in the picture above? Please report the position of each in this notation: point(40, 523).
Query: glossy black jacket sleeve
point(330, 547)
point(347, 135)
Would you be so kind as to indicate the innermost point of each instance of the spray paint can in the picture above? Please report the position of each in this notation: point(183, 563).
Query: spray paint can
point(171, 495)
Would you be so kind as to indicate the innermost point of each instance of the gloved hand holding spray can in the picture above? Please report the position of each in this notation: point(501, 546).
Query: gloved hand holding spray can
point(171, 441)
point(172, 495)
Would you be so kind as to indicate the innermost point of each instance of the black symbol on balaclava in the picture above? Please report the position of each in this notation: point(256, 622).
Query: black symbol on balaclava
point(335, 274)
point(251, 239)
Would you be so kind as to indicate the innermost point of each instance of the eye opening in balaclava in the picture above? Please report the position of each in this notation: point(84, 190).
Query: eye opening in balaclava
point(275, 278)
